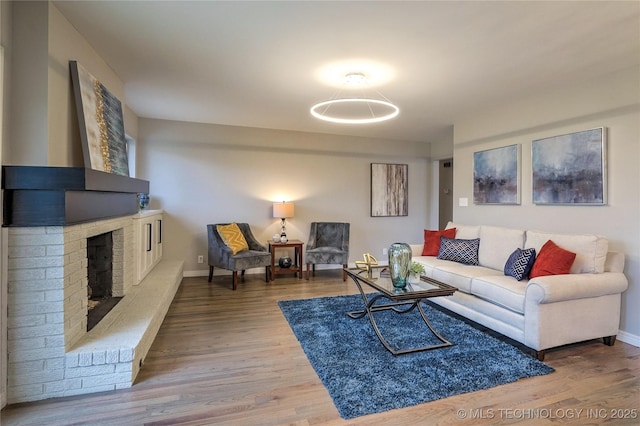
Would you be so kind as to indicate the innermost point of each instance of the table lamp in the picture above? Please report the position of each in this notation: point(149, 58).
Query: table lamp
point(283, 210)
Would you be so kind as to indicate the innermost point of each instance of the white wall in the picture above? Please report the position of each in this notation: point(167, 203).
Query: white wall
point(28, 63)
point(612, 102)
point(201, 174)
point(44, 127)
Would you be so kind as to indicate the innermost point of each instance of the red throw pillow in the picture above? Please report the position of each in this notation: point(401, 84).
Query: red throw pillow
point(432, 240)
point(552, 260)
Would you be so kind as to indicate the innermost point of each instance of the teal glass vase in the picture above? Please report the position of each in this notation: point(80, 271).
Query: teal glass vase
point(399, 263)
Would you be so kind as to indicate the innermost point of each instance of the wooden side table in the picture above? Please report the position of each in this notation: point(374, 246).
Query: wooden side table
point(296, 268)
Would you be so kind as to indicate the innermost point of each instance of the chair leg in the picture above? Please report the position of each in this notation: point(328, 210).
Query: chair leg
point(313, 268)
point(210, 272)
point(235, 279)
point(242, 275)
point(266, 273)
point(307, 271)
point(344, 274)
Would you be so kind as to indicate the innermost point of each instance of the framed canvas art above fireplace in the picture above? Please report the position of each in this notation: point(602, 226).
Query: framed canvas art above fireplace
point(101, 121)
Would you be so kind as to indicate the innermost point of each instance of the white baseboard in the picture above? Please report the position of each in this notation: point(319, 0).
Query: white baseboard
point(220, 271)
point(629, 338)
point(196, 273)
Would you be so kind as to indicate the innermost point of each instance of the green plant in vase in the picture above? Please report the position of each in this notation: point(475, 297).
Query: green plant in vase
point(415, 270)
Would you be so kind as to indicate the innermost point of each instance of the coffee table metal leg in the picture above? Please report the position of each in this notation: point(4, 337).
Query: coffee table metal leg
point(400, 308)
point(435, 333)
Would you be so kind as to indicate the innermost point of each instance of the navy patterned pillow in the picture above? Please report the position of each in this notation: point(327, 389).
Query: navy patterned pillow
point(520, 262)
point(461, 251)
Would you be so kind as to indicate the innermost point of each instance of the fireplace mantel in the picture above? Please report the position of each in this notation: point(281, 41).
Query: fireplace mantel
point(61, 196)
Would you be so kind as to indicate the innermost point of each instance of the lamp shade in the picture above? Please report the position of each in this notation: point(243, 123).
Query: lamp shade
point(283, 210)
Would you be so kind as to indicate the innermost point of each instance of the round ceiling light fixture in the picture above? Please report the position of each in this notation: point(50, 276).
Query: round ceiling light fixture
point(355, 110)
point(324, 115)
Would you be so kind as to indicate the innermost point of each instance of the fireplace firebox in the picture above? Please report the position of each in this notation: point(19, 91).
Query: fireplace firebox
point(100, 278)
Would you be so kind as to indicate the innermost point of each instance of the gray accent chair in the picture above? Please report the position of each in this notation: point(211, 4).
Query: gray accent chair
point(328, 244)
point(221, 256)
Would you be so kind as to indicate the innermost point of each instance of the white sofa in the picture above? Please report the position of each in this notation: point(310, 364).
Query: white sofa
point(542, 312)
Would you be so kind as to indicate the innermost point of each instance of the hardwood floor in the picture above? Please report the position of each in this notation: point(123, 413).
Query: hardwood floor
point(229, 358)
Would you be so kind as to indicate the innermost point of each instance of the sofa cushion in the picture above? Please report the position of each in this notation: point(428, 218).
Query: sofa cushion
point(552, 260)
point(460, 275)
point(467, 232)
point(429, 263)
point(519, 264)
point(501, 290)
point(497, 244)
point(432, 240)
point(458, 250)
point(233, 237)
point(591, 250)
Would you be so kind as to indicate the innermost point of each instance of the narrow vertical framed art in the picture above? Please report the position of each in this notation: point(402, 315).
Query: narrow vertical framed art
point(389, 189)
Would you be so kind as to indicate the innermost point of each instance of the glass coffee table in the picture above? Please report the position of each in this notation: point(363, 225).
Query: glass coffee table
point(401, 301)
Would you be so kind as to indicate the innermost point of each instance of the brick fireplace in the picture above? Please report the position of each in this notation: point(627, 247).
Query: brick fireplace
point(50, 213)
point(47, 318)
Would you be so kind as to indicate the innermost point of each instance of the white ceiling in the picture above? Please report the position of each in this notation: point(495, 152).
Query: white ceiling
point(264, 64)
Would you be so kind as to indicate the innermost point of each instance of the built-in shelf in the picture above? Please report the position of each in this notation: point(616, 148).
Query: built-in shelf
point(60, 196)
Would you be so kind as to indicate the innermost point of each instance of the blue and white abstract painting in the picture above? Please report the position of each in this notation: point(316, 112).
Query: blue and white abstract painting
point(570, 169)
point(496, 176)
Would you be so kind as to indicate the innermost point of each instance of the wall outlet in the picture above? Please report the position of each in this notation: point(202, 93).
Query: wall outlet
point(201, 259)
point(384, 251)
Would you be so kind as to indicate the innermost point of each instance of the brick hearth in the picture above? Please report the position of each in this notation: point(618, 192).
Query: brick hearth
point(50, 352)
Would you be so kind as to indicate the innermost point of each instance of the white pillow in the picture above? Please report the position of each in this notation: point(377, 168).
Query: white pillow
point(591, 250)
point(465, 232)
point(497, 244)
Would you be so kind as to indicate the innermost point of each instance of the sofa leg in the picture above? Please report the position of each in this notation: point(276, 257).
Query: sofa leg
point(235, 280)
point(609, 340)
point(539, 355)
point(266, 274)
point(307, 270)
point(242, 275)
point(210, 273)
point(344, 274)
point(313, 269)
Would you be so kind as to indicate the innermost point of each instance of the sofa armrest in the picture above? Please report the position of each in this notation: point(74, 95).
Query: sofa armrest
point(614, 262)
point(557, 288)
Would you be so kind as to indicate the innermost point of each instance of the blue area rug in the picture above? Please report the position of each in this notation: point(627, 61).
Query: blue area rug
point(363, 377)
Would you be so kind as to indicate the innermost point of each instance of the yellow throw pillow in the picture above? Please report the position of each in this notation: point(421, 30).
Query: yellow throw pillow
point(232, 237)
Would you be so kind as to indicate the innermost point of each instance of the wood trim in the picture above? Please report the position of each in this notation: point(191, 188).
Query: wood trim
point(69, 178)
point(60, 196)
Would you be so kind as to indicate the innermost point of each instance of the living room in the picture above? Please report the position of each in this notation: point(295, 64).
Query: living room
point(203, 173)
